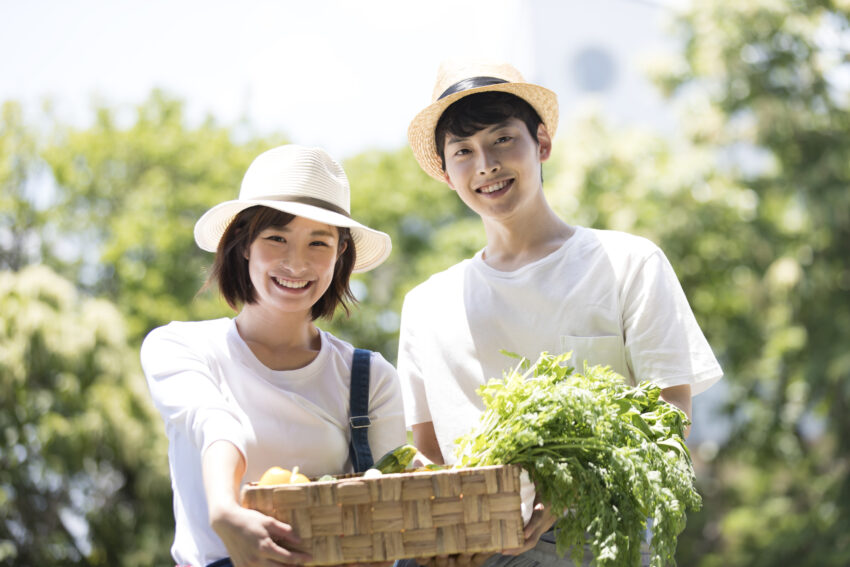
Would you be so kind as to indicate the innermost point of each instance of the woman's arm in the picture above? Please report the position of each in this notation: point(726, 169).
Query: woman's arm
point(248, 535)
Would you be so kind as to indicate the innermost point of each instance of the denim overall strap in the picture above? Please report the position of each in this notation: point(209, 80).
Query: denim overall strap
point(358, 449)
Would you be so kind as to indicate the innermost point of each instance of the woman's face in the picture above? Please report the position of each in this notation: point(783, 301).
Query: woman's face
point(292, 266)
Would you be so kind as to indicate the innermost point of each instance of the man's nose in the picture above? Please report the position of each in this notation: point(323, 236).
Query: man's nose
point(487, 163)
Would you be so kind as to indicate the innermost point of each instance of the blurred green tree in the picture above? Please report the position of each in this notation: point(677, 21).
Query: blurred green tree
point(128, 193)
point(21, 220)
point(765, 84)
point(83, 465)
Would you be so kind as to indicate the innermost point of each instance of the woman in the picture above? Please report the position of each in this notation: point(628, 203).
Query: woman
point(267, 387)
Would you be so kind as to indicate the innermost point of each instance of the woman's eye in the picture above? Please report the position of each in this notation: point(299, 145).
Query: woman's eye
point(320, 243)
point(275, 238)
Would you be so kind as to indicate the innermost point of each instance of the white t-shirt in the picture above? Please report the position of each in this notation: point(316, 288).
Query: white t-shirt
point(609, 297)
point(209, 386)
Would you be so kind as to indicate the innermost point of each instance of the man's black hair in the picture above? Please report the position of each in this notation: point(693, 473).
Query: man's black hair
point(475, 112)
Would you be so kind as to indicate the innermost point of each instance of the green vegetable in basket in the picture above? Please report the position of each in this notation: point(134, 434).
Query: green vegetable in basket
point(604, 455)
point(396, 460)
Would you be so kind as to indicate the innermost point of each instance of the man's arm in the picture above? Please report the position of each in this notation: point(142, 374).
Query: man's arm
point(425, 440)
point(679, 396)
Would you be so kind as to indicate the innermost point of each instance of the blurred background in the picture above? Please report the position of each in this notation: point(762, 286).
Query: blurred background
point(720, 130)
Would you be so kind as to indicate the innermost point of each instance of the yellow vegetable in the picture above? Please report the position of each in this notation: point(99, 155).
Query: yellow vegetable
point(279, 475)
point(297, 477)
point(275, 475)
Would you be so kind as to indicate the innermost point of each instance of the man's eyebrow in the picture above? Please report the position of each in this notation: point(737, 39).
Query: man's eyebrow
point(452, 139)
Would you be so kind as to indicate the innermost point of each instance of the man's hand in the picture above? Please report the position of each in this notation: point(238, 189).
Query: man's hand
point(539, 523)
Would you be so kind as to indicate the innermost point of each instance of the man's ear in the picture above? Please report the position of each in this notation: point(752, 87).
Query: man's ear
point(544, 142)
point(448, 180)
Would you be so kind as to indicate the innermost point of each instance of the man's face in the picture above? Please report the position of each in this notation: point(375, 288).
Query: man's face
point(495, 170)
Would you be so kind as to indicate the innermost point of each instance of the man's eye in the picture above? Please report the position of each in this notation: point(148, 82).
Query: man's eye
point(462, 152)
point(502, 139)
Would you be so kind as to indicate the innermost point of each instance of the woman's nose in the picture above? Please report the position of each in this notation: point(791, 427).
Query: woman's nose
point(293, 260)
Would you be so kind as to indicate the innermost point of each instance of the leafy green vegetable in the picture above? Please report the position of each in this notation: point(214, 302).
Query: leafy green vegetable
point(604, 455)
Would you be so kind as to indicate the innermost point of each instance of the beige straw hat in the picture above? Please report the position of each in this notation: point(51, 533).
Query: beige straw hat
point(456, 80)
point(302, 181)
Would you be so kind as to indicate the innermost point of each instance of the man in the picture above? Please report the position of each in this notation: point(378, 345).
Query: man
point(539, 284)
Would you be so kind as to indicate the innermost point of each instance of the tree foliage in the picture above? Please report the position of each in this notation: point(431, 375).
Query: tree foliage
point(129, 196)
point(769, 100)
point(83, 470)
point(21, 221)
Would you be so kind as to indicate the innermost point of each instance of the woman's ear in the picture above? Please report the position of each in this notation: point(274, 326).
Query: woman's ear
point(343, 246)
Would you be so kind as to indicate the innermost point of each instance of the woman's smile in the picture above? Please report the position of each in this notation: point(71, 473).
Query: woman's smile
point(291, 284)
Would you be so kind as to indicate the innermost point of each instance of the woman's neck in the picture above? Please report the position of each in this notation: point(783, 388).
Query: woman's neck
point(284, 341)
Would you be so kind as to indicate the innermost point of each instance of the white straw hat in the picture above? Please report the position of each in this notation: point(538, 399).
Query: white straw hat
point(458, 79)
point(302, 181)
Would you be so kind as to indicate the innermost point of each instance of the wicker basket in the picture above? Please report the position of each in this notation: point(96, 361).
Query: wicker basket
point(396, 516)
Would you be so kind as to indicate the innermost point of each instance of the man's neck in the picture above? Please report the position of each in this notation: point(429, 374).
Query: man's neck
point(515, 243)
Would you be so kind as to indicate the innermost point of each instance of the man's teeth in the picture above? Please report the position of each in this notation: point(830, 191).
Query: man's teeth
point(494, 187)
point(292, 284)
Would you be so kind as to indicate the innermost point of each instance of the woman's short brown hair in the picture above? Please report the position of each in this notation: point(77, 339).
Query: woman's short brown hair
point(230, 268)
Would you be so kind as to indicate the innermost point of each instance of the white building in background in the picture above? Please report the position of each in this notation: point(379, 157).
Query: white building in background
point(594, 53)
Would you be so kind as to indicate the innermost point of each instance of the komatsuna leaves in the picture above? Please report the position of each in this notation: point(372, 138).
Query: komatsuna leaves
point(605, 456)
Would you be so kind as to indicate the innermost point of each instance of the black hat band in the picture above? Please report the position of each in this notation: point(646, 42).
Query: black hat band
point(471, 83)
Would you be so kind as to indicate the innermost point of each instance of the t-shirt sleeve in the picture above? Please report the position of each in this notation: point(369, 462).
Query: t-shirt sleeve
point(185, 391)
point(664, 343)
point(385, 408)
point(409, 364)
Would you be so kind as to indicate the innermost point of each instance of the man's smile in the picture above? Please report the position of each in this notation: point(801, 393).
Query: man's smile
point(494, 187)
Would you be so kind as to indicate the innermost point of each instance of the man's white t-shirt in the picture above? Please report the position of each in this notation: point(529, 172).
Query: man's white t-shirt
point(208, 386)
point(609, 297)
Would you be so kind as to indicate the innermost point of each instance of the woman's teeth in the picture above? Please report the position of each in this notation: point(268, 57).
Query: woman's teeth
point(291, 283)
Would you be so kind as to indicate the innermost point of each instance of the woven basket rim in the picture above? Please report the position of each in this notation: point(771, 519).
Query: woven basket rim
point(359, 477)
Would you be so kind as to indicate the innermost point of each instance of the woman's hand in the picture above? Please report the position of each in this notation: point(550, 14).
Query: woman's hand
point(251, 538)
